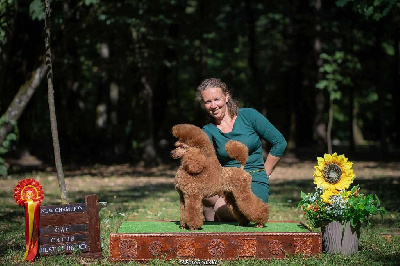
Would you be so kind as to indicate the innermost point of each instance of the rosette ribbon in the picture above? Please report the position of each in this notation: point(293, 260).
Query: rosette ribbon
point(29, 193)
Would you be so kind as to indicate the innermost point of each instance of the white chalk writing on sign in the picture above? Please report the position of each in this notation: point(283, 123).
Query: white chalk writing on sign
point(63, 229)
point(62, 239)
point(62, 209)
point(63, 248)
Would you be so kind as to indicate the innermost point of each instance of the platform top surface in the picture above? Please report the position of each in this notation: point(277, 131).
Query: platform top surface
point(134, 227)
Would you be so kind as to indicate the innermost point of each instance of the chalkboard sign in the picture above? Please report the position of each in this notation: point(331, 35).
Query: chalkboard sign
point(70, 229)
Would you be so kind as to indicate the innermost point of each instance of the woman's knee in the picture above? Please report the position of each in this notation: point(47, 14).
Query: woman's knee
point(211, 201)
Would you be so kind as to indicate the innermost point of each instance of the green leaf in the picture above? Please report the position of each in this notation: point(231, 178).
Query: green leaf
point(6, 144)
point(89, 2)
point(2, 150)
point(303, 195)
point(37, 10)
point(3, 170)
point(322, 84)
point(11, 137)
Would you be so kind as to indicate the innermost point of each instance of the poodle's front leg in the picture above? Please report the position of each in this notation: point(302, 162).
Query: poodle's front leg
point(194, 211)
point(182, 209)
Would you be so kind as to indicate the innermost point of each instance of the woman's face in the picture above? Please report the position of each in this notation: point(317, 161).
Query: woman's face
point(214, 101)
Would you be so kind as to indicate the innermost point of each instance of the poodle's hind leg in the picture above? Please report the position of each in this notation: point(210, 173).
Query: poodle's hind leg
point(234, 209)
point(194, 211)
point(252, 207)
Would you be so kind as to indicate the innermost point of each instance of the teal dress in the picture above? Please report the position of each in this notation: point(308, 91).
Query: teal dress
point(249, 128)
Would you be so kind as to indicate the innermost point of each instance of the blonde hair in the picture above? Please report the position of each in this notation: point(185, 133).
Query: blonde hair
point(232, 104)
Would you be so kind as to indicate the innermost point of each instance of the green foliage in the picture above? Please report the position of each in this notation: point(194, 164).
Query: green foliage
point(6, 144)
point(6, 12)
point(178, 43)
point(347, 206)
point(376, 9)
point(362, 206)
point(338, 70)
point(37, 8)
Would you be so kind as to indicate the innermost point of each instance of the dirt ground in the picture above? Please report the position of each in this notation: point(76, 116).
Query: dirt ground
point(119, 176)
point(285, 171)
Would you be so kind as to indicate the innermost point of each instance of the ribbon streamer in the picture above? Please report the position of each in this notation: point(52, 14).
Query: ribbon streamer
point(29, 193)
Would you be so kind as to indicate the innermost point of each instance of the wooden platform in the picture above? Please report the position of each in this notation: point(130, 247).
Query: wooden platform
point(144, 241)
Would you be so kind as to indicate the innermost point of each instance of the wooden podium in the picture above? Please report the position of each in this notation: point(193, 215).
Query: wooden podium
point(213, 246)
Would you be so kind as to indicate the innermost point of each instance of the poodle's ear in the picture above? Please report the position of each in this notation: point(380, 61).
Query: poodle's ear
point(194, 161)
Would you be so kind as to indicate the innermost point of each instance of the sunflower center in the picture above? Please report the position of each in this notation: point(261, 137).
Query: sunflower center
point(332, 173)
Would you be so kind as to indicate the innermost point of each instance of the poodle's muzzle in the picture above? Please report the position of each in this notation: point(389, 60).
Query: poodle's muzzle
point(179, 151)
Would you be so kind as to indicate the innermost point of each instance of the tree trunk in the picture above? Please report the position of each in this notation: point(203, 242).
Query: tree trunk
point(329, 129)
point(251, 59)
point(396, 81)
point(6, 45)
point(53, 119)
point(319, 124)
point(352, 120)
point(380, 89)
point(18, 104)
point(149, 153)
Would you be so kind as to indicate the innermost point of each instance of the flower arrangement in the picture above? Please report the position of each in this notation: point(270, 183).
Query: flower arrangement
point(333, 200)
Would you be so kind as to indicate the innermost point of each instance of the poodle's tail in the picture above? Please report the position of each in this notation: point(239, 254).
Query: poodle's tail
point(237, 151)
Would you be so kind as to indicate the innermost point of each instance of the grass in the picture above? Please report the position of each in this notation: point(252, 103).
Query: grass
point(148, 195)
point(173, 226)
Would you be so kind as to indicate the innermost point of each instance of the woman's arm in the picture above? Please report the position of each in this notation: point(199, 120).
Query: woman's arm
point(270, 163)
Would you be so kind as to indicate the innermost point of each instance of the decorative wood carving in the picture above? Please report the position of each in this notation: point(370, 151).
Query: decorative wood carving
point(303, 246)
point(210, 246)
point(185, 248)
point(216, 247)
point(247, 247)
point(275, 247)
point(155, 248)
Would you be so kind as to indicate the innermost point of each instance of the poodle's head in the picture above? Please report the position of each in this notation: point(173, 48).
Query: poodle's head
point(180, 150)
point(191, 136)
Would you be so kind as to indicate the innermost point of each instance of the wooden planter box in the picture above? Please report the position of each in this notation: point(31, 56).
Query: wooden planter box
point(213, 246)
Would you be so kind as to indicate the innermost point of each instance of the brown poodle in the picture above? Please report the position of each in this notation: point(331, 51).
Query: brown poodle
point(200, 175)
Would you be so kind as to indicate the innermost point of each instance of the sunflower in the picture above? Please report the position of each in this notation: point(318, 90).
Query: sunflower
point(326, 196)
point(333, 172)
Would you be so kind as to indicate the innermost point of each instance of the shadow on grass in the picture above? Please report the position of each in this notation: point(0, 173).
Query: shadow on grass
point(129, 194)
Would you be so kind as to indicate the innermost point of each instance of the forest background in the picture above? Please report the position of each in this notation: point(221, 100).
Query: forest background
point(325, 73)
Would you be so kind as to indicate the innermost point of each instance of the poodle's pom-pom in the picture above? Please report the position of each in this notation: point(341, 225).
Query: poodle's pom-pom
point(237, 151)
point(190, 134)
point(182, 130)
point(193, 136)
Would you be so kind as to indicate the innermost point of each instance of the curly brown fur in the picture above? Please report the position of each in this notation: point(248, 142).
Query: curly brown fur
point(200, 175)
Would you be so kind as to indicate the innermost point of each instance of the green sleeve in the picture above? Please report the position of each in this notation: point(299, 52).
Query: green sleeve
point(267, 131)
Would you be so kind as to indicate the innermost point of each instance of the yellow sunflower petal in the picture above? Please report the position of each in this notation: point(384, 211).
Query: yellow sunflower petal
point(327, 158)
point(327, 195)
point(346, 172)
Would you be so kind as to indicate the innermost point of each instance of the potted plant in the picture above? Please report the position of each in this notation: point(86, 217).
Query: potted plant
point(336, 207)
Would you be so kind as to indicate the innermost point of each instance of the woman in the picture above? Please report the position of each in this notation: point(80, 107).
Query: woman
point(245, 125)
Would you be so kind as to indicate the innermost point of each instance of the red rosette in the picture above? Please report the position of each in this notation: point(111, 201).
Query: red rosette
point(29, 193)
point(28, 189)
